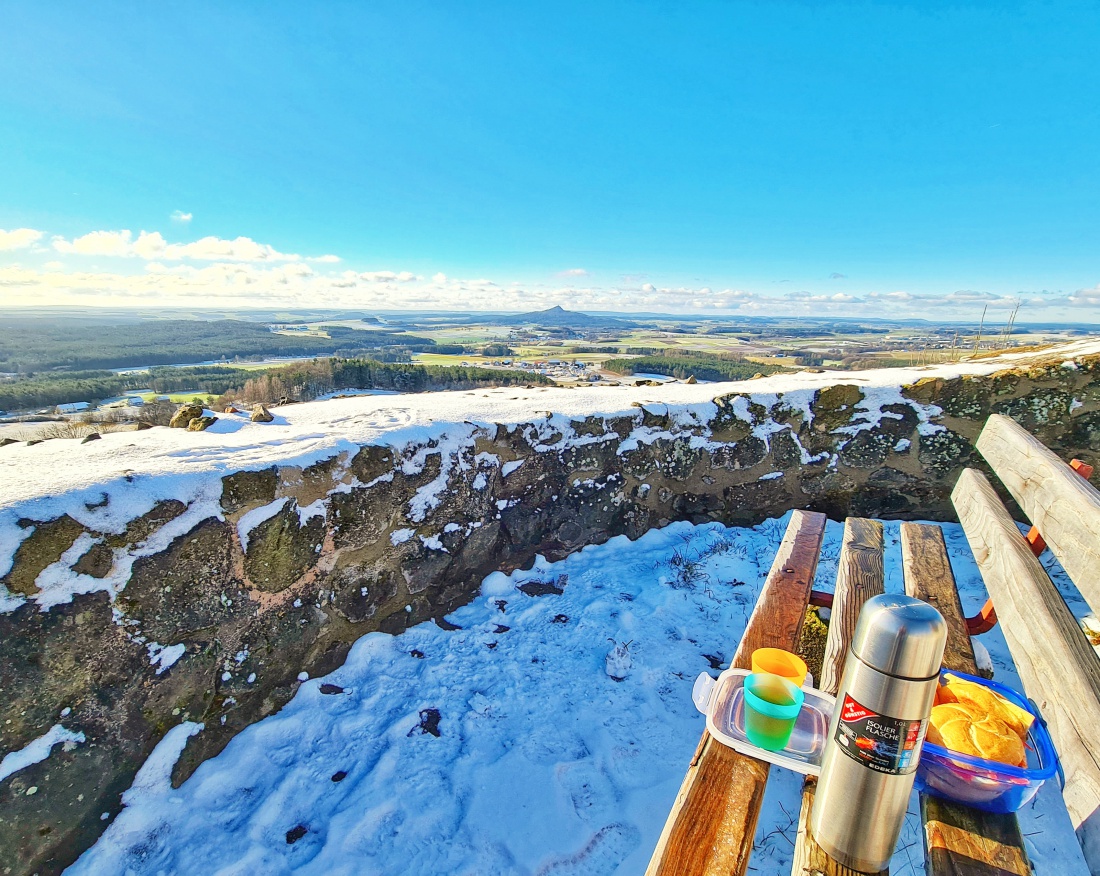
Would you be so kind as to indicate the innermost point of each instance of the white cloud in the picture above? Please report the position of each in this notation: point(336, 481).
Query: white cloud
point(1086, 297)
point(96, 243)
point(242, 272)
point(19, 238)
point(180, 216)
point(240, 249)
point(151, 245)
point(388, 276)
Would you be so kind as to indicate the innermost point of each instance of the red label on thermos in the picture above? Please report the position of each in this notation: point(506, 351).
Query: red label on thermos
point(879, 742)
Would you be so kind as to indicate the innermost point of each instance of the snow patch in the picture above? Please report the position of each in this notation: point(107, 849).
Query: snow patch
point(256, 516)
point(313, 509)
point(37, 750)
point(163, 657)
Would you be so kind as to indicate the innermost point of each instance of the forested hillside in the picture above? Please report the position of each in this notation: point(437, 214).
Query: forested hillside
point(35, 344)
point(684, 364)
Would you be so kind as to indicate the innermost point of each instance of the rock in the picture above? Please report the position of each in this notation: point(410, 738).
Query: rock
point(691, 379)
point(229, 409)
point(183, 416)
point(139, 426)
point(295, 834)
point(200, 424)
point(542, 588)
point(34, 441)
point(91, 436)
point(4, 442)
point(249, 489)
point(97, 562)
point(42, 547)
point(282, 548)
point(260, 414)
point(429, 723)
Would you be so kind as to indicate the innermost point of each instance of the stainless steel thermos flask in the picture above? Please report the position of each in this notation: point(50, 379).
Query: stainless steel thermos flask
point(877, 730)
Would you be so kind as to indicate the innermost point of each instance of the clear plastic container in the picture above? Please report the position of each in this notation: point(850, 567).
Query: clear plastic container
point(723, 702)
point(986, 784)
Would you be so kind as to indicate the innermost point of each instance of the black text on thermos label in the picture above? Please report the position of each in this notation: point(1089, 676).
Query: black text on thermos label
point(885, 744)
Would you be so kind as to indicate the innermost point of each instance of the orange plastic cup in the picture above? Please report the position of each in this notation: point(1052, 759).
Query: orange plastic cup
point(779, 662)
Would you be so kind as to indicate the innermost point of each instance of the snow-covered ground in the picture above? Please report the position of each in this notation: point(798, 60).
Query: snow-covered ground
point(507, 746)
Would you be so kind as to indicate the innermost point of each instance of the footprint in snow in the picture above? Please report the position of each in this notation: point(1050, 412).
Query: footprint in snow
point(601, 857)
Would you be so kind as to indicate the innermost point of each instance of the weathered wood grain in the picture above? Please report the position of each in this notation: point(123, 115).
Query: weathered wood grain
point(958, 840)
point(1062, 505)
point(713, 819)
point(928, 576)
point(1055, 661)
point(859, 577)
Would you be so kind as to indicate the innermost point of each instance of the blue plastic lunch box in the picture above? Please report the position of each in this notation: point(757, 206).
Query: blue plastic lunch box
point(986, 784)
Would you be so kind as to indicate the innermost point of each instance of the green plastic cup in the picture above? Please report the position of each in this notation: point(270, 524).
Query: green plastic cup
point(772, 705)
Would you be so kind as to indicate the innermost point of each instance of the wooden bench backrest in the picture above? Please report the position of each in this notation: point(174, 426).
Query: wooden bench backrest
point(1056, 663)
point(1064, 506)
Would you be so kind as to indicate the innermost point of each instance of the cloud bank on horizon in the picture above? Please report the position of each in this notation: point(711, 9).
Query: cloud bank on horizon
point(118, 268)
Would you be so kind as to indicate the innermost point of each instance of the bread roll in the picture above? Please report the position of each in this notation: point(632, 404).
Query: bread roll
point(988, 701)
point(966, 728)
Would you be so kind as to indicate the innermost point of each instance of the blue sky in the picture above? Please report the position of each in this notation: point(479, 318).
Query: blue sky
point(885, 159)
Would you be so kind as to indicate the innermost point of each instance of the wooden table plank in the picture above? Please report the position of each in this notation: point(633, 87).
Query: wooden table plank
point(711, 826)
point(1064, 506)
point(928, 576)
point(1055, 661)
point(859, 577)
point(958, 840)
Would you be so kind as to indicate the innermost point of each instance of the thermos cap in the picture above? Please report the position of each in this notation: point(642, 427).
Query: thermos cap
point(900, 636)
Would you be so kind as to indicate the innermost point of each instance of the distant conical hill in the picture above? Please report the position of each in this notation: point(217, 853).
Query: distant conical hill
point(559, 317)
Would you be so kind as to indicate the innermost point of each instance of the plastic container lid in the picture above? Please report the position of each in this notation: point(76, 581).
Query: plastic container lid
point(723, 702)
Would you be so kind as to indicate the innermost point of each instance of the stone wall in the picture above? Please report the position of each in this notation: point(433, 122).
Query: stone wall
point(287, 567)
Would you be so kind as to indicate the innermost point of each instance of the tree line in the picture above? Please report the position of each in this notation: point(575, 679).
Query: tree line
point(303, 381)
point(685, 364)
point(300, 380)
point(29, 345)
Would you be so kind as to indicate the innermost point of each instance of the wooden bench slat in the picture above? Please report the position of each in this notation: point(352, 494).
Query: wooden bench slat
point(928, 576)
point(1055, 661)
point(1064, 506)
point(712, 824)
point(957, 838)
point(859, 577)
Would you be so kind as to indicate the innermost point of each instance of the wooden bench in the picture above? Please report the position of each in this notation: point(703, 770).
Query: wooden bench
point(712, 824)
point(1056, 663)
